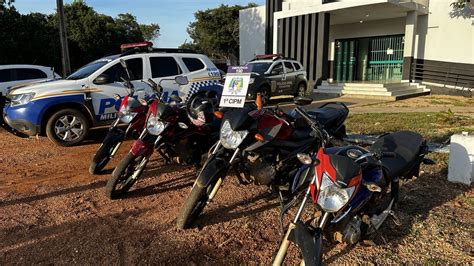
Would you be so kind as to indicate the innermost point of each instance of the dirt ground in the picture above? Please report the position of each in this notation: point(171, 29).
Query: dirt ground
point(52, 211)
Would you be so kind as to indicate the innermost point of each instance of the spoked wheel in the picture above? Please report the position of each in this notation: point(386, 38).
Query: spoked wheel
point(125, 175)
point(194, 204)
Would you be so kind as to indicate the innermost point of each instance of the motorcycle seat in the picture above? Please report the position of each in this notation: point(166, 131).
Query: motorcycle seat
point(406, 145)
point(329, 117)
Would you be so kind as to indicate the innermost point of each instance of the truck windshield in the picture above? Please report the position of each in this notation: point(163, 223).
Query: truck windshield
point(90, 68)
point(87, 70)
point(259, 67)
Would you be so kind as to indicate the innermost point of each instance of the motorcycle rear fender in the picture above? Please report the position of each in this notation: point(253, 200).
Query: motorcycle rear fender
point(310, 243)
point(215, 169)
point(140, 148)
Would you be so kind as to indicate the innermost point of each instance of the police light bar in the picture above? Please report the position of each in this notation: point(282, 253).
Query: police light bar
point(135, 45)
point(268, 55)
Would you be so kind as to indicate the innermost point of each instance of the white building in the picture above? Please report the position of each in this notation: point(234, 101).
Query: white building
point(378, 41)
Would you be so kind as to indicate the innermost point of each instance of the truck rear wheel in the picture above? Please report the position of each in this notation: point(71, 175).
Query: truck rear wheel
point(67, 127)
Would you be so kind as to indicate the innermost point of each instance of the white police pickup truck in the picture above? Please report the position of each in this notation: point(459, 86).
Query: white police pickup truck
point(66, 109)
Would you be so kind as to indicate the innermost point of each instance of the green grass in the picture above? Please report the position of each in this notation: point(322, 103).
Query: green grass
point(436, 127)
point(463, 102)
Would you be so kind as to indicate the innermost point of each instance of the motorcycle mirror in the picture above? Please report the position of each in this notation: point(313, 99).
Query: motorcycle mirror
point(181, 80)
point(182, 125)
point(304, 158)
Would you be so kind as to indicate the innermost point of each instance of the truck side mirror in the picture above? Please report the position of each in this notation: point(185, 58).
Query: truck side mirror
point(102, 79)
point(181, 80)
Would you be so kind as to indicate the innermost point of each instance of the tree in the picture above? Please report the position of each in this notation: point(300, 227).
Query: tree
point(150, 31)
point(215, 32)
point(461, 8)
point(34, 38)
point(460, 4)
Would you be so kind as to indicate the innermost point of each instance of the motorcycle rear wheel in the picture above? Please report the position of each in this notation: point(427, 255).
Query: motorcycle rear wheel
point(122, 177)
point(194, 204)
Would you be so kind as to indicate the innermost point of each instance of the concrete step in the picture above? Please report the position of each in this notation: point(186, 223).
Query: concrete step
point(351, 88)
point(375, 85)
point(391, 92)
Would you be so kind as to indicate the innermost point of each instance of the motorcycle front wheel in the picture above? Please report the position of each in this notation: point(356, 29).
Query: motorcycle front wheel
point(125, 175)
point(194, 204)
point(102, 157)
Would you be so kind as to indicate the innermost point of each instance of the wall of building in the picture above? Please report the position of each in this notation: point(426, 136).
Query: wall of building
point(444, 35)
point(252, 23)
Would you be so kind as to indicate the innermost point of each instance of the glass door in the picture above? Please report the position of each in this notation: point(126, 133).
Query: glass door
point(346, 60)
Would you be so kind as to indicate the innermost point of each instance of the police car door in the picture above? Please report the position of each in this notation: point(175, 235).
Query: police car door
point(105, 105)
point(276, 77)
point(167, 68)
point(289, 85)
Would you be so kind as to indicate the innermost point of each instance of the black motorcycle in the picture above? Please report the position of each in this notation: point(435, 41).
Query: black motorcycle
point(261, 146)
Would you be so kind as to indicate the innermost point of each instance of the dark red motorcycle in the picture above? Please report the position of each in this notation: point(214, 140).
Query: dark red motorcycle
point(261, 146)
point(181, 133)
point(132, 112)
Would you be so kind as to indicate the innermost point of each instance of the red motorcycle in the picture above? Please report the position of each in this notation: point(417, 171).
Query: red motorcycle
point(180, 133)
point(261, 146)
point(132, 112)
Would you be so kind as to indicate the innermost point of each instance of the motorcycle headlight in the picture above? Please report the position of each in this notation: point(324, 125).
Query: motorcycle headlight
point(20, 99)
point(231, 139)
point(125, 115)
point(331, 197)
point(155, 126)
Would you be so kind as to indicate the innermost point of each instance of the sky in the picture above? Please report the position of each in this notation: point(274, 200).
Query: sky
point(173, 16)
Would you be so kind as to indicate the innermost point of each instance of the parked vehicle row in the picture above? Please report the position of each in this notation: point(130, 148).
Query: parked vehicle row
point(65, 110)
point(301, 155)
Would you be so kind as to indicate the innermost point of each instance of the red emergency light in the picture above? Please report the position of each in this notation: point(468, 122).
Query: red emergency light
point(135, 45)
point(268, 55)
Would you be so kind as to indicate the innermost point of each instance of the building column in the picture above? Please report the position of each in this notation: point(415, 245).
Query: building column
point(409, 48)
point(271, 6)
point(322, 52)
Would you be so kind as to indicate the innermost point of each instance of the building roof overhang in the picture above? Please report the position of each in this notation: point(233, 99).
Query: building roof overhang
point(352, 11)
